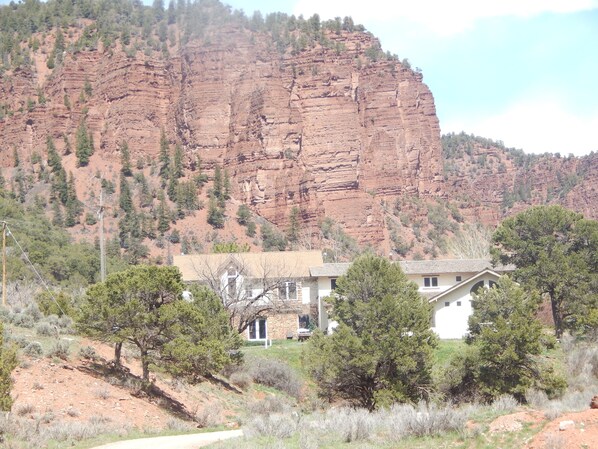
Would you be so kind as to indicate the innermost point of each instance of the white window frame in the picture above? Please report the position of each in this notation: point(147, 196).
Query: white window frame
point(432, 281)
point(258, 323)
point(231, 281)
point(285, 289)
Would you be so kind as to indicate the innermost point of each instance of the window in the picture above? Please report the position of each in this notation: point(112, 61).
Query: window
point(458, 279)
point(431, 281)
point(477, 288)
point(304, 321)
point(288, 290)
point(492, 284)
point(231, 281)
point(257, 329)
point(333, 284)
point(458, 303)
point(248, 292)
point(446, 304)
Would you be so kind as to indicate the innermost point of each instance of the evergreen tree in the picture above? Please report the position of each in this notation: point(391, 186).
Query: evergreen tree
point(54, 160)
point(243, 215)
point(8, 362)
point(59, 186)
point(164, 157)
point(163, 217)
point(177, 162)
point(15, 157)
point(173, 185)
point(125, 159)
point(125, 200)
point(554, 250)
point(382, 350)
point(226, 187)
point(215, 214)
point(217, 188)
point(506, 340)
point(57, 218)
point(84, 144)
point(293, 231)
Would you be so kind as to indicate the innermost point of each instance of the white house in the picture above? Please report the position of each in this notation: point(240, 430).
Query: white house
point(447, 284)
point(299, 281)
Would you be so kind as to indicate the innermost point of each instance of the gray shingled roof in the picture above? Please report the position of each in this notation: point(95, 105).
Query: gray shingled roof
point(330, 269)
point(448, 266)
point(419, 267)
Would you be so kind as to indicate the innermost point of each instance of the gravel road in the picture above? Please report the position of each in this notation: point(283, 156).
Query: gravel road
point(192, 441)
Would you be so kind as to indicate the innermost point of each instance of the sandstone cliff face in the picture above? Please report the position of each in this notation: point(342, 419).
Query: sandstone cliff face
point(327, 132)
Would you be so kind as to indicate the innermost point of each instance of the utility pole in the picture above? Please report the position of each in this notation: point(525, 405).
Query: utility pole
point(102, 248)
point(4, 264)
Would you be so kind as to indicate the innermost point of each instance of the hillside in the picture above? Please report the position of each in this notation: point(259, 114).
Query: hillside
point(315, 128)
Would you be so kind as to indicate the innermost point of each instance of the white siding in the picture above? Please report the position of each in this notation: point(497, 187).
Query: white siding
point(450, 321)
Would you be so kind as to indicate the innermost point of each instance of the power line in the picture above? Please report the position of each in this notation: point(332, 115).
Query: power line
point(41, 279)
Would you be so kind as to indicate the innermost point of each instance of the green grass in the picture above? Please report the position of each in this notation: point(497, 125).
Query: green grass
point(288, 351)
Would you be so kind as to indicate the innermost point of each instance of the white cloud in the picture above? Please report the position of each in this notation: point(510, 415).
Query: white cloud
point(441, 16)
point(536, 125)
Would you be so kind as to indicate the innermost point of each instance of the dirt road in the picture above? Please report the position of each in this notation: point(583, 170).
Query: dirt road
point(192, 441)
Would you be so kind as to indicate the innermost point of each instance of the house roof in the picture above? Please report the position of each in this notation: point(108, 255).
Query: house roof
point(418, 267)
point(330, 269)
point(465, 284)
point(449, 266)
point(286, 264)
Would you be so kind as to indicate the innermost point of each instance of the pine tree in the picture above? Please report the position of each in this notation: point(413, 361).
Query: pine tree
point(164, 156)
point(125, 200)
point(54, 160)
point(215, 214)
point(293, 232)
point(84, 144)
point(8, 362)
point(177, 162)
point(57, 218)
point(125, 159)
point(163, 217)
point(226, 187)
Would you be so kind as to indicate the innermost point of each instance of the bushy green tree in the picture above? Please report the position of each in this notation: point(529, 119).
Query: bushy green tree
point(125, 159)
point(143, 306)
point(555, 252)
point(382, 349)
point(215, 214)
point(506, 341)
point(272, 240)
point(84, 144)
point(202, 338)
point(8, 362)
point(243, 215)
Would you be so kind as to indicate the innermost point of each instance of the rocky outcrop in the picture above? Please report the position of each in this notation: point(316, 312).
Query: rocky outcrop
point(328, 132)
point(324, 130)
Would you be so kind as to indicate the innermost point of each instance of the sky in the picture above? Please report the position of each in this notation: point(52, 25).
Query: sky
point(521, 71)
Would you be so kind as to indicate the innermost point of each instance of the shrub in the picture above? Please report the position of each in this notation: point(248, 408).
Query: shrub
point(241, 379)
point(33, 349)
point(22, 320)
point(277, 426)
point(33, 311)
point(276, 374)
point(505, 403)
point(88, 352)
point(19, 340)
point(60, 349)
point(269, 406)
point(45, 329)
point(351, 424)
point(24, 409)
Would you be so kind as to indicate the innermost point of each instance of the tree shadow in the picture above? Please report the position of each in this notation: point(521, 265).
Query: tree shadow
point(137, 387)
